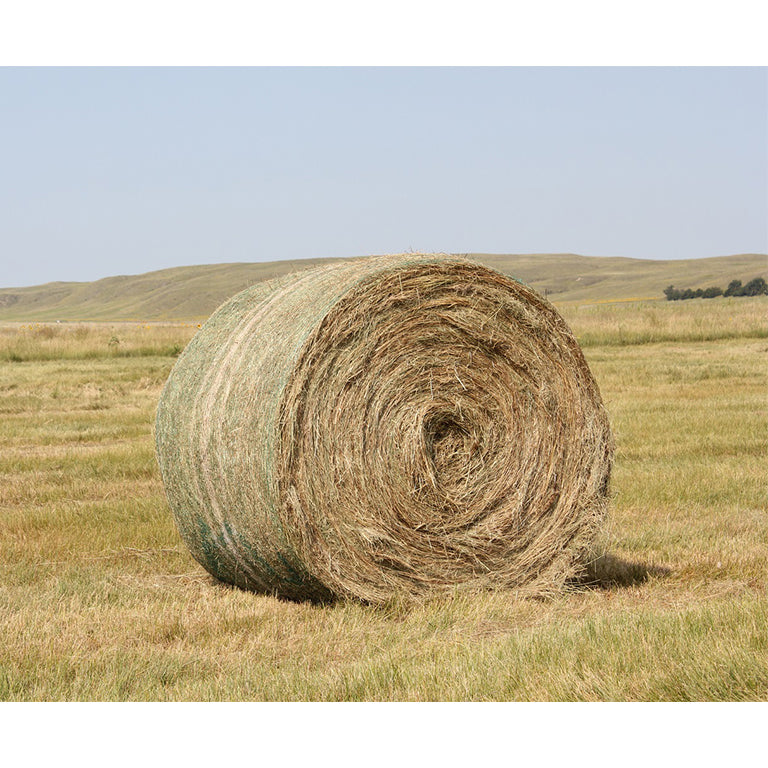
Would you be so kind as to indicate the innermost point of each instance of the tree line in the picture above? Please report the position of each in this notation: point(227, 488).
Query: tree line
point(755, 287)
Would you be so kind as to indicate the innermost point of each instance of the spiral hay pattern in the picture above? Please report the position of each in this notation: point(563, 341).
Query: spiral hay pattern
point(400, 425)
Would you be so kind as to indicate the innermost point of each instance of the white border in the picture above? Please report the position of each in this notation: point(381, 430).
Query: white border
point(386, 734)
point(396, 32)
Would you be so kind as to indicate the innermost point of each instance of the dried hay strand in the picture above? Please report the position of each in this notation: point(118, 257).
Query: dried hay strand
point(400, 425)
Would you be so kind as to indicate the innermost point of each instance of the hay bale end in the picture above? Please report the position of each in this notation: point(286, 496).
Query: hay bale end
point(407, 424)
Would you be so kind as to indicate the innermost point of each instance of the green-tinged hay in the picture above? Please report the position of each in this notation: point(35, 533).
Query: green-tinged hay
point(395, 425)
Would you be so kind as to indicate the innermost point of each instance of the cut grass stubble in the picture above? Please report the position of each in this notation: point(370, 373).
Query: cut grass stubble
point(100, 600)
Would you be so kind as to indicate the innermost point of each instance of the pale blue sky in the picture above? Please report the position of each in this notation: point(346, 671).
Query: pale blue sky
point(111, 171)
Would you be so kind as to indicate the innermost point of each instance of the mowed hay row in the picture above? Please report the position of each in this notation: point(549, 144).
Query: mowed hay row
point(391, 426)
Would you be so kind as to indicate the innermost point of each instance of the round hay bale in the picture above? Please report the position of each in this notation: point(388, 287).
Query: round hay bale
point(395, 425)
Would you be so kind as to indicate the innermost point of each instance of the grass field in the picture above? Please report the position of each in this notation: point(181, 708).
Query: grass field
point(99, 599)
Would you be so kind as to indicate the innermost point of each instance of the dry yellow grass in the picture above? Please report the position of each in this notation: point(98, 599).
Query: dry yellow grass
point(20, 342)
point(642, 322)
point(100, 600)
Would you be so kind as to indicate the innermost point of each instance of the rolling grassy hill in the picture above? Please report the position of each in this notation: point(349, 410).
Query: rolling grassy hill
point(192, 293)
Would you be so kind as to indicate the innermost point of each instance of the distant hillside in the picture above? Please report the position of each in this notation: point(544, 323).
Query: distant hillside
point(192, 293)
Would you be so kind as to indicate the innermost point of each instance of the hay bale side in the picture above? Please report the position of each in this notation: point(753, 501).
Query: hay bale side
point(406, 424)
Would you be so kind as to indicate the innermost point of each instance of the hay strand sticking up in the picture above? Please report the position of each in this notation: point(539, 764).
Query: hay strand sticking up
point(401, 424)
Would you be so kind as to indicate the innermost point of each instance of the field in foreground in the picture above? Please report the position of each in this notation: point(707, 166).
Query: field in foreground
point(99, 599)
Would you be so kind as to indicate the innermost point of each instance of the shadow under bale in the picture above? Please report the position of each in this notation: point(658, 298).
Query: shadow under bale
point(609, 571)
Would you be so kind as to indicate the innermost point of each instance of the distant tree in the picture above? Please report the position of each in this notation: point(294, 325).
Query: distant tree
point(755, 287)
